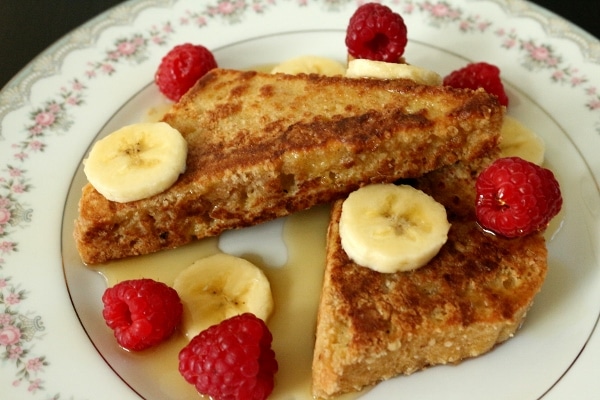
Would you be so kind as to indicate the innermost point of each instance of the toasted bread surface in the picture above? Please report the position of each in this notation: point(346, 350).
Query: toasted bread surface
point(471, 296)
point(262, 146)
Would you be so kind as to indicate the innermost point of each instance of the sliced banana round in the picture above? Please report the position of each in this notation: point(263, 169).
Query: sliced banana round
point(219, 287)
point(362, 68)
point(310, 65)
point(391, 228)
point(136, 161)
point(518, 140)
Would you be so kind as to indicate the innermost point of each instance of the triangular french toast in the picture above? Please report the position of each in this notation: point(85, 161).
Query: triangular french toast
point(261, 146)
point(472, 295)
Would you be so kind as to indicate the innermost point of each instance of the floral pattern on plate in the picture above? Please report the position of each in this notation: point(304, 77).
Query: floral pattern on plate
point(20, 325)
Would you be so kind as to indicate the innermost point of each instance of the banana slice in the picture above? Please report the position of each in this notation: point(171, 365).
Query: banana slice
point(310, 65)
point(136, 161)
point(391, 228)
point(362, 68)
point(518, 140)
point(218, 287)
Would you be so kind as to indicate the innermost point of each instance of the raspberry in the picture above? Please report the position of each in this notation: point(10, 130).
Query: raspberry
point(376, 33)
point(232, 360)
point(141, 312)
point(479, 75)
point(181, 68)
point(516, 197)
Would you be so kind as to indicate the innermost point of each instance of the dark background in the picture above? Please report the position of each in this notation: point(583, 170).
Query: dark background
point(27, 27)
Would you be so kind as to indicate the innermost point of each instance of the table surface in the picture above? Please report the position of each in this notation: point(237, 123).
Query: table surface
point(27, 27)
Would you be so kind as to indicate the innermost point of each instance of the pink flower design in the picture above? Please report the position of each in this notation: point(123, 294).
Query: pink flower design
point(107, 68)
point(6, 247)
point(594, 104)
point(34, 385)
point(15, 352)
point(509, 43)
point(36, 145)
point(4, 216)
point(126, 48)
point(21, 156)
point(18, 188)
point(138, 41)
point(558, 75)
point(53, 108)
point(482, 26)
point(45, 118)
point(77, 86)
point(5, 319)
point(440, 10)
point(15, 172)
point(114, 55)
point(36, 130)
point(9, 335)
point(552, 61)
point(539, 53)
point(12, 299)
point(226, 7)
point(34, 365)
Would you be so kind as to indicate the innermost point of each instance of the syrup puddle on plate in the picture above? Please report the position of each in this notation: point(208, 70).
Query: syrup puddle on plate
point(296, 287)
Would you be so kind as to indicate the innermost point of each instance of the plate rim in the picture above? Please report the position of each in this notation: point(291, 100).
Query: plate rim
point(25, 80)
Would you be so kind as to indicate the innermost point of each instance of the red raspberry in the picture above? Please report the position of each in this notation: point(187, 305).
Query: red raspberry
point(141, 312)
point(476, 75)
point(377, 33)
point(516, 197)
point(181, 68)
point(232, 360)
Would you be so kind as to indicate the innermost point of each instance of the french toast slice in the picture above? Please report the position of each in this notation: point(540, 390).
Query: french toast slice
point(472, 295)
point(261, 146)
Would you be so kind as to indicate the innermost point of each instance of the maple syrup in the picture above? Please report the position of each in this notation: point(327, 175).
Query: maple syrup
point(296, 287)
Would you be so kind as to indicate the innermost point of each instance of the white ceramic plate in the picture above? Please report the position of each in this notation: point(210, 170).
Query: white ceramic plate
point(99, 77)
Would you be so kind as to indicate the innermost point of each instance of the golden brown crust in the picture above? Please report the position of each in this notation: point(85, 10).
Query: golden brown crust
point(472, 295)
point(263, 146)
